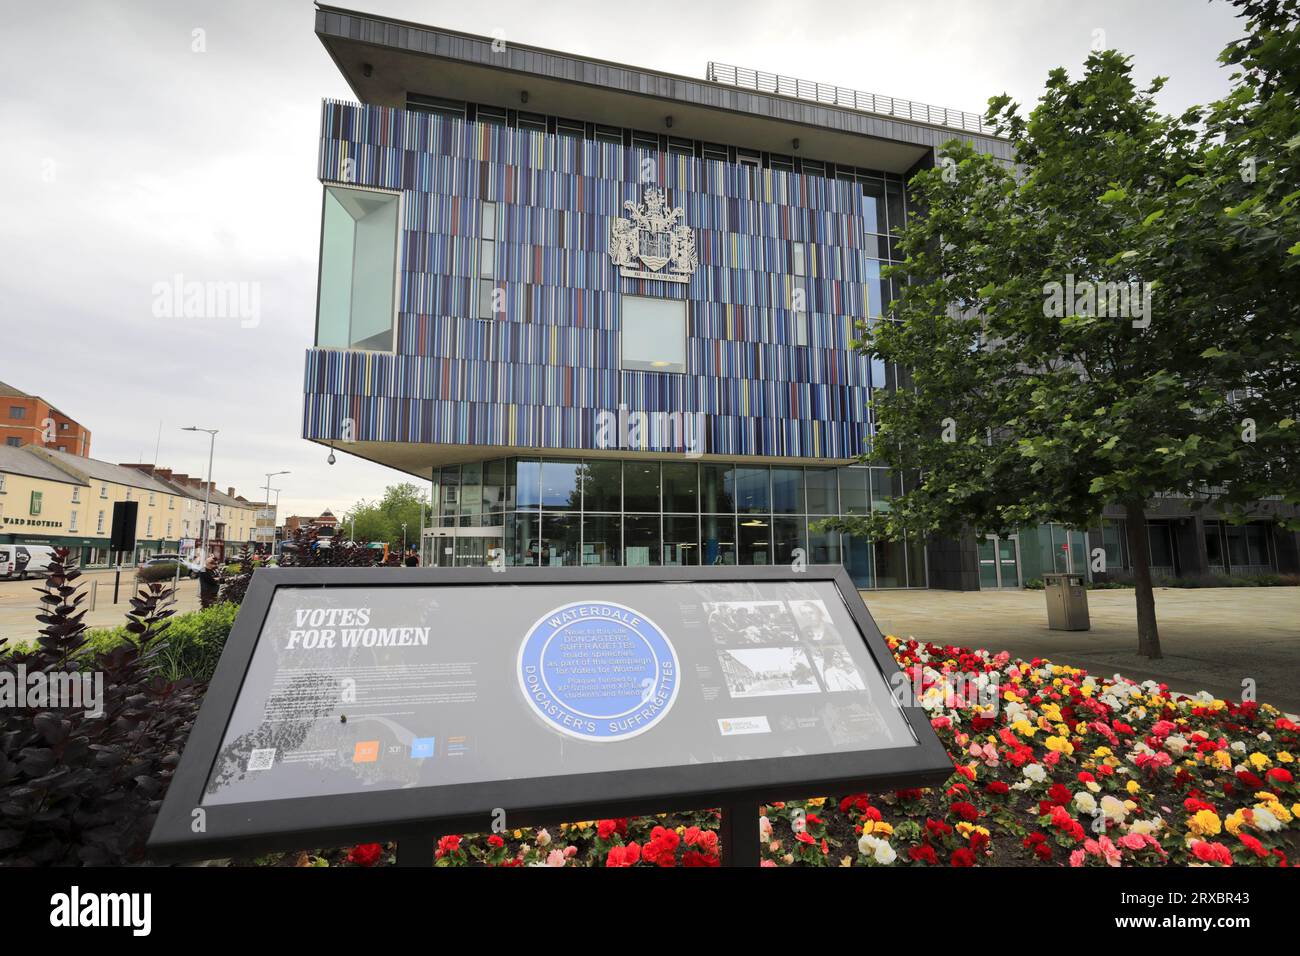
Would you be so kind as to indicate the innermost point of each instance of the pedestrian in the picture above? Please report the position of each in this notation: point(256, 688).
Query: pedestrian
point(209, 583)
point(412, 559)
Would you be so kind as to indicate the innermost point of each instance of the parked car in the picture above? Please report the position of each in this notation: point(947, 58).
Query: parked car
point(20, 560)
point(153, 568)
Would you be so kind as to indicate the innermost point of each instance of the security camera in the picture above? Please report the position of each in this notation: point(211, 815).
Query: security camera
point(331, 459)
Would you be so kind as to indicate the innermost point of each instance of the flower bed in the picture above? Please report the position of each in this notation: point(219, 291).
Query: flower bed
point(1054, 767)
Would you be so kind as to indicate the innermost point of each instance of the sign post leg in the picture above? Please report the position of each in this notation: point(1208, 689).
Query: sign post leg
point(415, 849)
point(738, 834)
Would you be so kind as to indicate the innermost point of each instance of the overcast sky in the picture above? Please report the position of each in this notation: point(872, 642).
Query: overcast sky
point(130, 159)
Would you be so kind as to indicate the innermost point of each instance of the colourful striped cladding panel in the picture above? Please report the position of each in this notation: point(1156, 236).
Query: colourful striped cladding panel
point(762, 380)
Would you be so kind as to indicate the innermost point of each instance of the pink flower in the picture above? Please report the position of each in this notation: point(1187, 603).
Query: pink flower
point(555, 858)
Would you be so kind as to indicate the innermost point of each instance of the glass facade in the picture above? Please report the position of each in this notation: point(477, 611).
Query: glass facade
point(601, 512)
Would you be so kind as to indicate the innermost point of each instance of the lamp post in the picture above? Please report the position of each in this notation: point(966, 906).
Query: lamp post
point(274, 527)
point(403, 540)
point(266, 503)
point(207, 488)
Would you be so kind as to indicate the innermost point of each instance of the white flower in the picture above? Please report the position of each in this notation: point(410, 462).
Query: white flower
point(1113, 808)
point(764, 829)
point(543, 838)
point(1266, 821)
point(1085, 802)
point(1237, 747)
point(1035, 772)
point(885, 854)
point(1176, 745)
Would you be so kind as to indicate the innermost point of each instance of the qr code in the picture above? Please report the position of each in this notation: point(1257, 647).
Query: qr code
point(261, 759)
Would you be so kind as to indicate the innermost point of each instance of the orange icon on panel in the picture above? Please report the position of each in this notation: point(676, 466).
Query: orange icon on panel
point(367, 751)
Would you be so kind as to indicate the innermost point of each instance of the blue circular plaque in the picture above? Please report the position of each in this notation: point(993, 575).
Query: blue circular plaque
point(598, 671)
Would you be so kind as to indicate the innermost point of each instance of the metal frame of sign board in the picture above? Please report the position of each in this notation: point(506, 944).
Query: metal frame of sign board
point(412, 816)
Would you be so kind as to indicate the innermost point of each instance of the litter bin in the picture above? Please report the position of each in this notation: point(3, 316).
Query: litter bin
point(1067, 602)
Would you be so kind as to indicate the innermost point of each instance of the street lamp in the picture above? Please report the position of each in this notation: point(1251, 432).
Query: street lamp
point(403, 540)
point(266, 503)
point(207, 488)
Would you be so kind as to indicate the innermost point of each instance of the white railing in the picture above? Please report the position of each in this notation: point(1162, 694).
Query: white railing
point(831, 95)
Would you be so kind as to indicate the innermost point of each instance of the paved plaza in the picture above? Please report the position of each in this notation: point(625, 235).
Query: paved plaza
point(1212, 638)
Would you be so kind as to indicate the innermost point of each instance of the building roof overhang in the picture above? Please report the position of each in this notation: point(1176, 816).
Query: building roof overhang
point(384, 59)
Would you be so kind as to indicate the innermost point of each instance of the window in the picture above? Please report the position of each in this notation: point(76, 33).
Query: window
point(645, 140)
point(715, 152)
point(63, 426)
point(169, 527)
point(609, 134)
point(72, 520)
point(358, 268)
point(35, 506)
point(151, 498)
point(812, 167)
point(2, 484)
point(171, 502)
point(148, 527)
point(99, 524)
point(435, 105)
point(128, 494)
point(487, 241)
point(654, 334)
point(680, 147)
point(76, 495)
point(568, 127)
point(17, 411)
point(486, 291)
point(783, 163)
point(103, 491)
point(14, 442)
point(533, 121)
point(492, 114)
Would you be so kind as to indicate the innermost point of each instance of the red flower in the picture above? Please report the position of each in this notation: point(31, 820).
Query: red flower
point(621, 856)
point(962, 857)
point(998, 787)
point(695, 858)
point(1279, 775)
point(495, 841)
point(1059, 794)
point(923, 854)
point(448, 844)
point(965, 810)
point(365, 854)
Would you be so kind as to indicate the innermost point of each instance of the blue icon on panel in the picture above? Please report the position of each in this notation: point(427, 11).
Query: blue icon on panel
point(422, 747)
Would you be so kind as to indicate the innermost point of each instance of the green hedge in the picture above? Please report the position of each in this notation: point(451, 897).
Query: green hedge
point(193, 641)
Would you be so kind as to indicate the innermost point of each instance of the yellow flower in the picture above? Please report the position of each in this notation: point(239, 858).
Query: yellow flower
point(1284, 756)
point(1295, 809)
point(1264, 796)
point(1060, 745)
point(847, 861)
point(1024, 728)
point(1133, 787)
point(1102, 752)
point(877, 827)
point(1052, 712)
point(1234, 821)
point(1205, 823)
point(815, 801)
point(1258, 760)
point(1223, 760)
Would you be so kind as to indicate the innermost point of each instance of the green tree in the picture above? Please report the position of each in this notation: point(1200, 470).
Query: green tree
point(382, 520)
point(1094, 324)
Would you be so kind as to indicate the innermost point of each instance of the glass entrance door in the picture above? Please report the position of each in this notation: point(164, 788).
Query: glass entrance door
point(999, 562)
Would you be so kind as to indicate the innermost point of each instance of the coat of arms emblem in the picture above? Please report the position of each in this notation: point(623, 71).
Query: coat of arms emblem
point(653, 242)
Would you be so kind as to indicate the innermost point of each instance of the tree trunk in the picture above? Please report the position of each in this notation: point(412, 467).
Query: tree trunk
point(1139, 550)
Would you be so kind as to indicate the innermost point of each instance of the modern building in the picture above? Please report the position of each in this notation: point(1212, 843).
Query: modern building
point(31, 420)
point(608, 312)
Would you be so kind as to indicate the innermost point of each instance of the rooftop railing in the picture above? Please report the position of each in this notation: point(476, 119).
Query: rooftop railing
point(760, 82)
